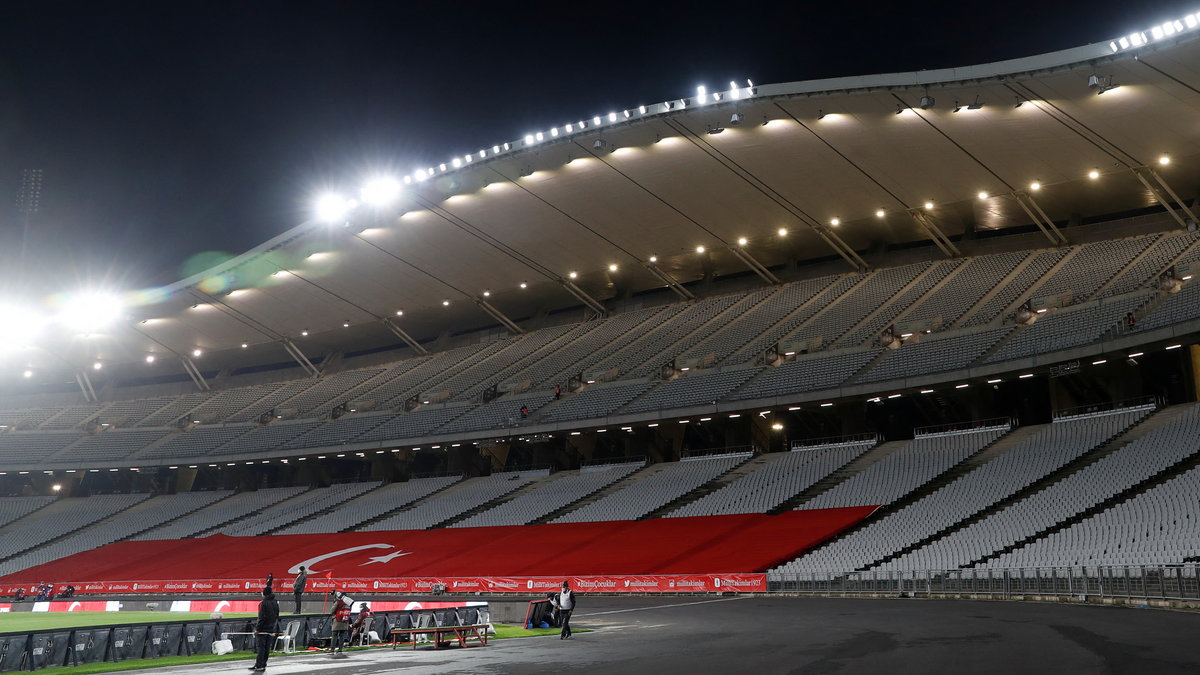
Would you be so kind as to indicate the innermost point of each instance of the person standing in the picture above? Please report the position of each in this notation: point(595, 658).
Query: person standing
point(298, 587)
point(342, 605)
point(566, 605)
point(264, 630)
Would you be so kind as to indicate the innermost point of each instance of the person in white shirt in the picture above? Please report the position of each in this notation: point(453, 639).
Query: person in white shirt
point(566, 605)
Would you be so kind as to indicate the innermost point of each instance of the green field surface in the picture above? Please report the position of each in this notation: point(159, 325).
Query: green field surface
point(15, 622)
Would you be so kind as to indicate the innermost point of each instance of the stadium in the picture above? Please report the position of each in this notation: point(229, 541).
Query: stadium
point(924, 335)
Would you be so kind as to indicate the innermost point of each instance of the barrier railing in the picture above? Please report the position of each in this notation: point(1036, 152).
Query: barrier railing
point(1132, 582)
point(1149, 401)
point(972, 425)
point(692, 453)
point(836, 440)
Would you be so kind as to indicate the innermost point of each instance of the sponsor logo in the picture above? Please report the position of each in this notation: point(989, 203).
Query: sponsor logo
point(200, 584)
point(504, 584)
point(466, 584)
point(375, 585)
point(641, 583)
point(603, 583)
point(529, 584)
point(119, 587)
point(741, 582)
point(175, 586)
point(692, 583)
point(93, 587)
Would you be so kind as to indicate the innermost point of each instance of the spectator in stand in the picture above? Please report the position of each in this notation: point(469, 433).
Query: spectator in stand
point(45, 591)
point(341, 621)
point(20, 596)
point(298, 587)
point(68, 592)
point(524, 411)
point(566, 605)
point(1130, 321)
point(264, 629)
point(557, 391)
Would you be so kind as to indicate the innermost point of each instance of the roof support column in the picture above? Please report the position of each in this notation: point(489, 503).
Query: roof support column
point(1166, 196)
point(403, 335)
point(1039, 217)
point(195, 374)
point(753, 264)
point(85, 385)
point(670, 281)
point(499, 316)
point(841, 247)
point(300, 358)
point(938, 237)
point(583, 297)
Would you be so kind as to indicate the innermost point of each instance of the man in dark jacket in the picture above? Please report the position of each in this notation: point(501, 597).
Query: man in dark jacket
point(264, 630)
point(298, 587)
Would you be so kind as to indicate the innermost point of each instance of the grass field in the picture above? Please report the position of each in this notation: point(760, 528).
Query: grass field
point(12, 622)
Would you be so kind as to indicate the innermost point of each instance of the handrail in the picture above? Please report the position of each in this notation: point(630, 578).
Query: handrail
point(1108, 407)
point(971, 425)
point(837, 440)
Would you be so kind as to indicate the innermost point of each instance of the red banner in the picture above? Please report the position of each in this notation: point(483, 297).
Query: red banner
point(643, 583)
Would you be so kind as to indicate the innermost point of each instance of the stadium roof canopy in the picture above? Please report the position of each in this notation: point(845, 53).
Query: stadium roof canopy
point(757, 175)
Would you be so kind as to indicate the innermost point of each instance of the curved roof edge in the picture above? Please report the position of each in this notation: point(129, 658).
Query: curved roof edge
point(1075, 56)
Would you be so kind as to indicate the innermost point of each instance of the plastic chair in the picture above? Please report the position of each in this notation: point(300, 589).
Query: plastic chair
point(288, 637)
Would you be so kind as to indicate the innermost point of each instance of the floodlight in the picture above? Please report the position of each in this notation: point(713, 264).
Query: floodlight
point(742, 241)
point(835, 222)
point(735, 119)
point(380, 191)
point(331, 207)
point(1164, 160)
point(879, 213)
point(1093, 174)
point(1035, 186)
point(150, 358)
point(927, 102)
point(599, 144)
point(19, 327)
point(197, 353)
point(90, 312)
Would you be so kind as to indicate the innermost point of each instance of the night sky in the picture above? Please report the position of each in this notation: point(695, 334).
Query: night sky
point(173, 128)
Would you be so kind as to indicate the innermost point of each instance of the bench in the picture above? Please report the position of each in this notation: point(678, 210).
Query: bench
point(462, 633)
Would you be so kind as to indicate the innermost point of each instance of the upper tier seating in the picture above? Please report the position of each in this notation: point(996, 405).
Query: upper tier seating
point(776, 481)
point(595, 401)
point(295, 508)
point(807, 373)
point(220, 512)
point(449, 503)
point(1017, 288)
point(369, 505)
point(934, 353)
point(550, 495)
point(658, 485)
point(693, 389)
